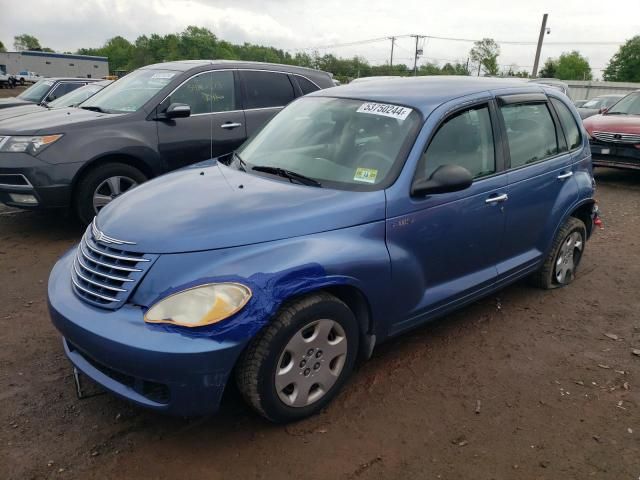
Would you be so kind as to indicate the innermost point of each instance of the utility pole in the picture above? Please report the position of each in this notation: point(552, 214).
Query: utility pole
point(543, 27)
point(417, 52)
point(393, 41)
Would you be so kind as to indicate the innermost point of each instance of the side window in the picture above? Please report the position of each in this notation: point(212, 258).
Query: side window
point(306, 85)
point(207, 93)
point(63, 89)
point(266, 89)
point(465, 140)
point(530, 131)
point(568, 122)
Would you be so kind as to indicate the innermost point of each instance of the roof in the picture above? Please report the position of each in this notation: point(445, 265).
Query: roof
point(37, 53)
point(184, 65)
point(58, 79)
point(424, 93)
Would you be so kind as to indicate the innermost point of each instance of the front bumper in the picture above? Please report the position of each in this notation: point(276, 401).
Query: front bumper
point(23, 174)
point(146, 364)
point(617, 155)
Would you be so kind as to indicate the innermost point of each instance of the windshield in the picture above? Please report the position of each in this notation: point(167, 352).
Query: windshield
point(36, 92)
point(349, 144)
point(75, 97)
point(131, 92)
point(629, 105)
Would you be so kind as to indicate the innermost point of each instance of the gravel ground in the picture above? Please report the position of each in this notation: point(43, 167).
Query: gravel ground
point(525, 384)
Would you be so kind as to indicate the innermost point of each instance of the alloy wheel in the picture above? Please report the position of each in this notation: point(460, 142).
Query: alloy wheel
point(568, 258)
point(111, 188)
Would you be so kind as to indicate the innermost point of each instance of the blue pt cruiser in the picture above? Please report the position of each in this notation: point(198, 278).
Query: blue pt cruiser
point(356, 214)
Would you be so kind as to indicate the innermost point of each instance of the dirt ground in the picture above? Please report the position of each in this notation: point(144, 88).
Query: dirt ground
point(526, 384)
point(12, 92)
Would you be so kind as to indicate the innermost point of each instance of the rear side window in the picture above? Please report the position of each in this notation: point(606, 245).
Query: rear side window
point(568, 122)
point(267, 89)
point(465, 140)
point(63, 89)
point(531, 133)
point(306, 85)
point(207, 93)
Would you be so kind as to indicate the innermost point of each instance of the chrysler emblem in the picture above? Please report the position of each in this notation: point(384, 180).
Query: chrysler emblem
point(617, 136)
point(100, 236)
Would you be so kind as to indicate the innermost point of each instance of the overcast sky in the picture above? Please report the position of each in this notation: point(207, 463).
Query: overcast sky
point(66, 25)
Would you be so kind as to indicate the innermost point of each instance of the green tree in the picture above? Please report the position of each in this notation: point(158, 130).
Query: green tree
point(2, 48)
point(26, 42)
point(485, 54)
point(624, 66)
point(573, 66)
point(549, 69)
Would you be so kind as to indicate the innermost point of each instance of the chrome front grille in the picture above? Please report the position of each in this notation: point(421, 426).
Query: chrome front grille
point(617, 137)
point(105, 276)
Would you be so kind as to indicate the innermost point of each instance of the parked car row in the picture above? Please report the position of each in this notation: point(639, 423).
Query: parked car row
point(153, 120)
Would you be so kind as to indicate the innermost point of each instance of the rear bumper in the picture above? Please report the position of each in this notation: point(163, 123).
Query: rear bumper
point(153, 367)
point(48, 184)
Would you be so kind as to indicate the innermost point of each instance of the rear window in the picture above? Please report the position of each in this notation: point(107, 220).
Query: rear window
point(306, 85)
point(569, 125)
point(266, 89)
point(531, 133)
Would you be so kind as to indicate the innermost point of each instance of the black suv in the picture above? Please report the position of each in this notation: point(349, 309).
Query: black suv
point(156, 119)
point(45, 90)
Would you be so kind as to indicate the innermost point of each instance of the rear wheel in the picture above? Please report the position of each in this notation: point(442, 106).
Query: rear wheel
point(98, 187)
point(559, 268)
point(299, 362)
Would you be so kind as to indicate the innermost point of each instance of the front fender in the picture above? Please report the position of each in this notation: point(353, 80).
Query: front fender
point(276, 271)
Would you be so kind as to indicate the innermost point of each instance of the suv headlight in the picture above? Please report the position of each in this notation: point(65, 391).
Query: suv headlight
point(29, 144)
point(201, 305)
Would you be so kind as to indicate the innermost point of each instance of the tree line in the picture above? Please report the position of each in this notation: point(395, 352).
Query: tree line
point(197, 42)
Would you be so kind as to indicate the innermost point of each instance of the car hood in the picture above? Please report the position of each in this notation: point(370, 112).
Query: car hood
point(12, 102)
point(20, 110)
point(613, 123)
point(50, 121)
point(212, 206)
point(588, 112)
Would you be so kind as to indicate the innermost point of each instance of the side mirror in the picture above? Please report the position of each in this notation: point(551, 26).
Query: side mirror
point(446, 178)
point(603, 110)
point(178, 110)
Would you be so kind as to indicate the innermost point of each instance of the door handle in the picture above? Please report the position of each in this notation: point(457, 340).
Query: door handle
point(230, 125)
point(497, 198)
point(562, 176)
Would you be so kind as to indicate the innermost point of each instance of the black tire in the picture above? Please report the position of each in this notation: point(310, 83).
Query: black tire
point(91, 180)
point(22, 82)
point(546, 277)
point(256, 369)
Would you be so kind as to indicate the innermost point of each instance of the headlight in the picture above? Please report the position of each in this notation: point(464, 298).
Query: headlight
point(199, 306)
point(32, 145)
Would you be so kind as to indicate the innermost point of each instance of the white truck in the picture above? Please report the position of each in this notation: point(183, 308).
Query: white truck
point(26, 76)
point(6, 80)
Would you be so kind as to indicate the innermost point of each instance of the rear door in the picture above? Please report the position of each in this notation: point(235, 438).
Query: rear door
point(265, 94)
point(540, 180)
point(216, 125)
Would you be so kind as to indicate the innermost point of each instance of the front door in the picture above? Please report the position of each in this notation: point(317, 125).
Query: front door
point(216, 125)
point(445, 251)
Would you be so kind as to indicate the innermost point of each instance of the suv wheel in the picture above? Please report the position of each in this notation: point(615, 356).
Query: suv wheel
point(559, 268)
point(299, 362)
point(101, 185)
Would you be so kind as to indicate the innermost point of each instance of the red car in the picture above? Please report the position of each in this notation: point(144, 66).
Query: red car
point(614, 136)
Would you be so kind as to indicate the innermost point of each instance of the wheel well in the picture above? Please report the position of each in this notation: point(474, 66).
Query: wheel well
point(127, 159)
point(583, 213)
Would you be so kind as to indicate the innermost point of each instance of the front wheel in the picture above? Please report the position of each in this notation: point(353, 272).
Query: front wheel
point(101, 185)
point(299, 362)
point(559, 268)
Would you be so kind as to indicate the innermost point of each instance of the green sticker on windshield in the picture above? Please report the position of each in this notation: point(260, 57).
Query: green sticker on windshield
point(367, 175)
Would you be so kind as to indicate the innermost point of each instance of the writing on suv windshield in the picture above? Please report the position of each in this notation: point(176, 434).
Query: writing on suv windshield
point(131, 92)
point(341, 143)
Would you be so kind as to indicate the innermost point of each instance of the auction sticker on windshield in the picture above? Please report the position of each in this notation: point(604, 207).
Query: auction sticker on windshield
point(393, 111)
point(367, 175)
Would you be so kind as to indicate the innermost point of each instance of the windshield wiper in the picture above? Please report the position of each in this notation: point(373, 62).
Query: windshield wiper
point(93, 109)
point(243, 164)
point(287, 174)
point(616, 113)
